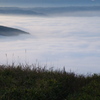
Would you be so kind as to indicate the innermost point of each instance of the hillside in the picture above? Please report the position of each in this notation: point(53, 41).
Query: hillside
point(8, 31)
point(35, 83)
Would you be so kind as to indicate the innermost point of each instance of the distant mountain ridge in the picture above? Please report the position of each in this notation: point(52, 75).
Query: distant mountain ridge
point(8, 31)
point(53, 11)
point(19, 11)
point(69, 11)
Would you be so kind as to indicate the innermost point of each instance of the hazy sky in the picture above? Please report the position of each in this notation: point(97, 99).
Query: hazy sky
point(40, 3)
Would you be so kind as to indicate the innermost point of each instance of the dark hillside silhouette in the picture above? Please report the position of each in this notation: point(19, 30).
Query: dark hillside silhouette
point(7, 31)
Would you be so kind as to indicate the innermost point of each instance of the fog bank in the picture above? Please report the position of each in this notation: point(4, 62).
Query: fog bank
point(73, 42)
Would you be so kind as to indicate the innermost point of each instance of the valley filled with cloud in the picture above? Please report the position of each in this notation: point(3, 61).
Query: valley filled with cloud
point(70, 42)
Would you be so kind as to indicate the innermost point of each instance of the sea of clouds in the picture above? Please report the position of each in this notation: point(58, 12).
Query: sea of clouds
point(70, 42)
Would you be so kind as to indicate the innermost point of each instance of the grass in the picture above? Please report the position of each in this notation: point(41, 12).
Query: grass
point(36, 83)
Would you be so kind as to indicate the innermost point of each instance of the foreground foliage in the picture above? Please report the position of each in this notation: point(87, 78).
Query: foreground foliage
point(25, 83)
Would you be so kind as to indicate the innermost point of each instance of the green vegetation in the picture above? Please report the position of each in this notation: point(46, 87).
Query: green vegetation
point(25, 83)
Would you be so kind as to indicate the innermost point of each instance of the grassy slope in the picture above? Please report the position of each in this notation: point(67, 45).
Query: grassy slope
point(23, 83)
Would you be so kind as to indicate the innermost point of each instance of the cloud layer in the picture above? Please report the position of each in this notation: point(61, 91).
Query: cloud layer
point(73, 42)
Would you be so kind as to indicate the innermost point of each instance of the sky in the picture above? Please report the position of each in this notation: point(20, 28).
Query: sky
point(47, 3)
